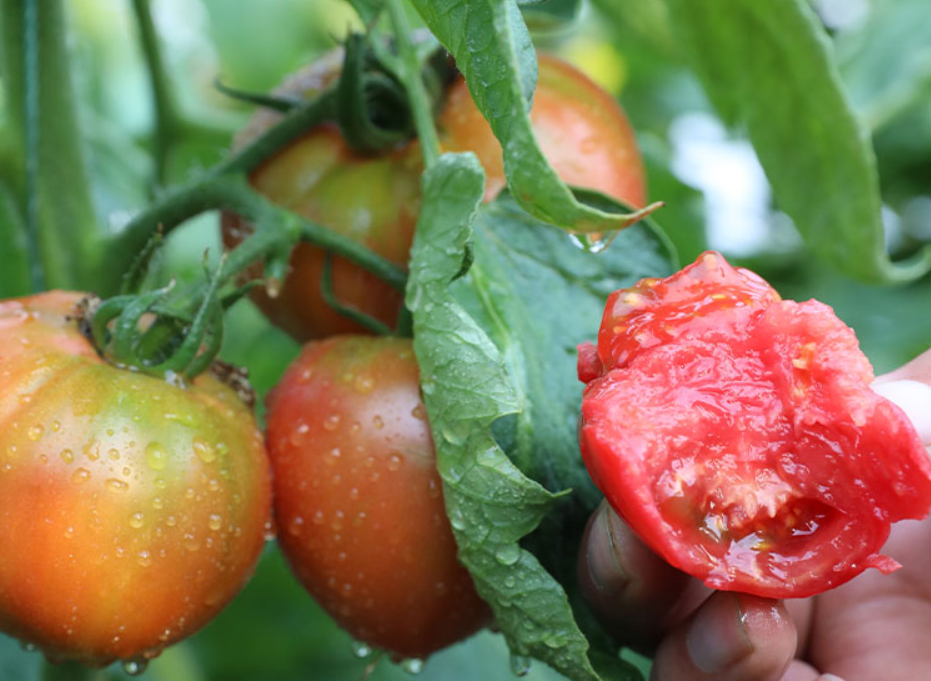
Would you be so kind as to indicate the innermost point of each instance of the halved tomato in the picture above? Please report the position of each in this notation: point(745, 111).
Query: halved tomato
point(738, 436)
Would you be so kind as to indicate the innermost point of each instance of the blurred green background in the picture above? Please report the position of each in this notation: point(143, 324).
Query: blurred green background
point(708, 175)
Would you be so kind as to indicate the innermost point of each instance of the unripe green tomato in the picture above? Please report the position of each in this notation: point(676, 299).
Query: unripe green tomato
point(375, 199)
point(131, 510)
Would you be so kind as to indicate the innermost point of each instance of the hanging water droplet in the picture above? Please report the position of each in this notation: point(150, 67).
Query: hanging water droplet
point(507, 554)
point(520, 665)
point(135, 667)
point(412, 666)
point(360, 649)
point(28, 647)
point(156, 456)
point(592, 242)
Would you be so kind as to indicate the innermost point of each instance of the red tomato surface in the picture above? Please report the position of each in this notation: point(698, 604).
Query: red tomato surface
point(375, 199)
point(358, 499)
point(736, 433)
point(131, 510)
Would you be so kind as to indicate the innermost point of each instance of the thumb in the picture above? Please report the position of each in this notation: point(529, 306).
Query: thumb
point(909, 388)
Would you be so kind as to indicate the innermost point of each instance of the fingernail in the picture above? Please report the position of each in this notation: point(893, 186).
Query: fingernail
point(716, 638)
point(912, 397)
point(829, 677)
point(603, 566)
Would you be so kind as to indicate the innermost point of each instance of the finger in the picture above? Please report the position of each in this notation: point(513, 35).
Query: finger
point(636, 594)
point(731, 637)
point(919, 369)
point(914, 398)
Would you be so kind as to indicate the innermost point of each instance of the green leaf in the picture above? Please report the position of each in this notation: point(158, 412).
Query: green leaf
point(14, 268)
point(471, 383)
point(769, 66)
point(547, 15)
point(56, 199)
point(492, 48)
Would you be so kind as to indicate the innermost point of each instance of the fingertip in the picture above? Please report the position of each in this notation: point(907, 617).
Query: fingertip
point(731, 637)
point(914, 398)
point(630, 588)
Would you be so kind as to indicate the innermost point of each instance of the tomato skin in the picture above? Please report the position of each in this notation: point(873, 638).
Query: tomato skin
point(742, 442)
point(375, 199)
point(358, 499)
point(131, 510)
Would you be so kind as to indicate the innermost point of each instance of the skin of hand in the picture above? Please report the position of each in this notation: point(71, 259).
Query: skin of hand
point(874, 627)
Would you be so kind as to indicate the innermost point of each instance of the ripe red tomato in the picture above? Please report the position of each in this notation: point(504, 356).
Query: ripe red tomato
point(358, 499)
point(375, 199)
point(131, 510)
point(738, 436)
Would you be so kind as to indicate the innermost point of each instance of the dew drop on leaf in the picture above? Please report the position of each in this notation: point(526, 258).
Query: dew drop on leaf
point(520, 665)
point(507, 554)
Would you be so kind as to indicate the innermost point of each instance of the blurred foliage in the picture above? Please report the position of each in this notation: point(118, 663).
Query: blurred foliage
point(883, 48)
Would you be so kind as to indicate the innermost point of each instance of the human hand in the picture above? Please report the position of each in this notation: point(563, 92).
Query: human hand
point(874, 627)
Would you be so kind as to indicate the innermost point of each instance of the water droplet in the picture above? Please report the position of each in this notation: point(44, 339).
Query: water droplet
point(80, 476)
point(144, 558)
point(116, 485)
point(213, 485)
point(55, 426)
point(520, 665)
point(395, 461)
point(354, 494)
point(419, 412)
point(35, 432)
point(305, 375)
point(203, 450)
point(114, 454)
point(28, 647)
point(412, 666)
point(331, 422)
point(296, 526)
point(215, 522)
point(137, 520)
point(333, 456)
point(222, 449)
point(171, 521)
point(360, 649)
point(158, 504)
point(156, 456)
point(67, 455)
point(135, 667)
point(593, 243)
point(69, 532)
point(269, 531)
point(507, 554)
point(364, 384)
point(378, 422)
point(190, 541)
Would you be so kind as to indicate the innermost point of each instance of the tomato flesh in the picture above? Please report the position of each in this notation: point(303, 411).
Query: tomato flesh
point(741, 439)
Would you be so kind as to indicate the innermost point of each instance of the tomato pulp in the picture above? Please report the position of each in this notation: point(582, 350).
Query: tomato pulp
point(375, 198)
point(131, 510)
point(738, 436)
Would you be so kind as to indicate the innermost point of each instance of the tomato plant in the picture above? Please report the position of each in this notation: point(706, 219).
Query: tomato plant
point(738, 436)
point(374, 198)
point(358, 499)
point(132, 510)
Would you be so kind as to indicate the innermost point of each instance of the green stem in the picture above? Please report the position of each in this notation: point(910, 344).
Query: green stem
point(67, 671)
point(52, 191)
point(410, 74)
point(166, 117)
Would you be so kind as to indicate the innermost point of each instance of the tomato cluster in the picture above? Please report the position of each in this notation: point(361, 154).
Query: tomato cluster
point(136, 508)
point(737, 434)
